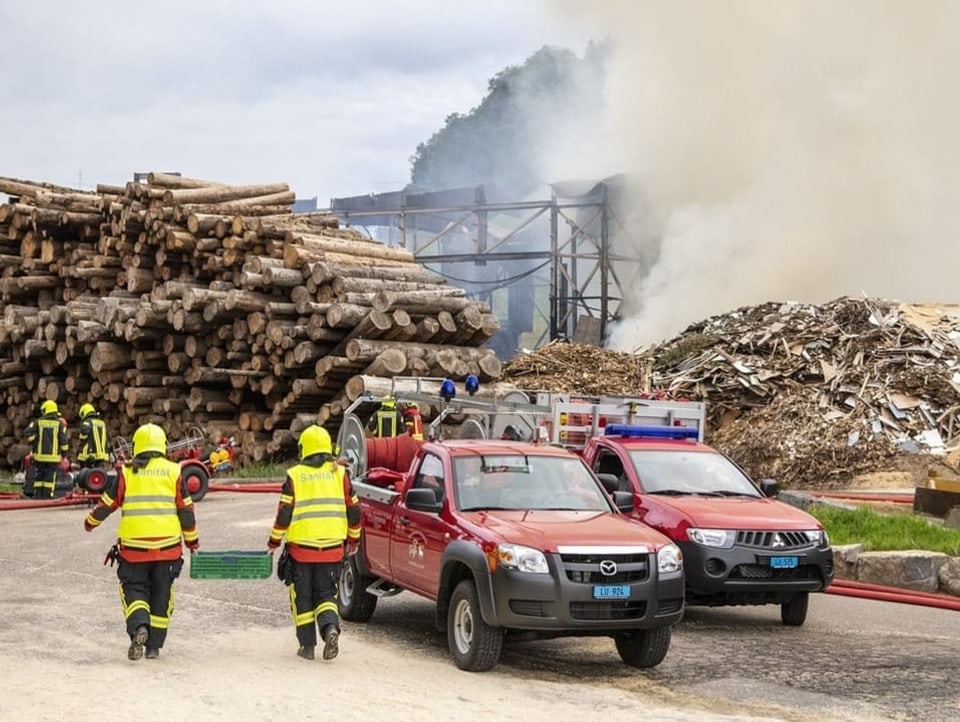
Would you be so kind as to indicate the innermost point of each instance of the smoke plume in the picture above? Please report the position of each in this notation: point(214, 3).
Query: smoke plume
point(790, 150)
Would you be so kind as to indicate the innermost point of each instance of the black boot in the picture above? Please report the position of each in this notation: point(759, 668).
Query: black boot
point(331, 641)
point(137, 642)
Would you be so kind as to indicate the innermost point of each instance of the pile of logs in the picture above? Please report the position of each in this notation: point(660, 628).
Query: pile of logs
point(197, 304)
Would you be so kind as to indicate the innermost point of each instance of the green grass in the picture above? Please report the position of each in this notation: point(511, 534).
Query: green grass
point(259, 470)
point(886, 532)
point(6, 482)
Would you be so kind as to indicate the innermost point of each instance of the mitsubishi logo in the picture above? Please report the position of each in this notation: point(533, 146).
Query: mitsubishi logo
point(778, 541)
point(608, 567)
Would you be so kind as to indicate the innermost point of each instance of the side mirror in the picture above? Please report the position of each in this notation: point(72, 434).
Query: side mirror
point(422, 500)
point(768, 487)
point(623, 500)
point(610, 482)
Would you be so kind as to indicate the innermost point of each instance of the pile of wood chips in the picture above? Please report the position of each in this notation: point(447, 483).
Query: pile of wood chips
point(811, 395)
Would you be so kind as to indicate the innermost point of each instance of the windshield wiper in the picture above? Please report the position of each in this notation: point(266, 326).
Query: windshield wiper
point(725, 492)
point(672, 492)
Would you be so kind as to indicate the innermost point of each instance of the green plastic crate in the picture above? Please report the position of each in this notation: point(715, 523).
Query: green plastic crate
point(231, 565)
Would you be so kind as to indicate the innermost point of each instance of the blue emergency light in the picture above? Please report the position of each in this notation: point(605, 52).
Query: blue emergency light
point(448, 389)
point(659, 432)
point(472, 384)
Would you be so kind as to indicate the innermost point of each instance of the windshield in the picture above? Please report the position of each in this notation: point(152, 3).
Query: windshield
point(526, 483)
point(685, 472)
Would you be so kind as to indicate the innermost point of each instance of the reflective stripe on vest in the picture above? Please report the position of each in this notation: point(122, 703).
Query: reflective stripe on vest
point(319, 509)
point(149, 507)
point(95, 445)
point(387, 423)
point(47, 445)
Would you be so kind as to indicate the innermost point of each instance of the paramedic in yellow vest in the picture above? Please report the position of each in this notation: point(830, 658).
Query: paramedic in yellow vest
point(320, 515)
point(157, 514)
point(93, 438)
point(387, 421)
point(48, 437)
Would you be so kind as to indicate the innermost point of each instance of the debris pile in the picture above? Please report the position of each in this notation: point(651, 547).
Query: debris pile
point(810, 395)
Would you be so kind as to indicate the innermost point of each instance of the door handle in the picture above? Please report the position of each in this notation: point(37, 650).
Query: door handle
point(404, 520)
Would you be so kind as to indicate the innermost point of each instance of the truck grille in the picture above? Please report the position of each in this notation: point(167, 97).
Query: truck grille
point(527, 607)
point(585, 568)
point(773, 539)
point(607, 611)
point(762, 571)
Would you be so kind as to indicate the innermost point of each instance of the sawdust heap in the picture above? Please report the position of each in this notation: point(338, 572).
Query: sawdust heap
point(811, 395)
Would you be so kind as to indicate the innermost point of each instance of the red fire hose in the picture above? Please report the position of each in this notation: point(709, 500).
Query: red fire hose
point(270, 487)
point(13, 501)
point(878, 592)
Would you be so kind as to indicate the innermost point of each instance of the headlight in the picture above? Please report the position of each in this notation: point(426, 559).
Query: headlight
point(523, 559)
point(669, 559)
point(818, 537)
point(719, 538)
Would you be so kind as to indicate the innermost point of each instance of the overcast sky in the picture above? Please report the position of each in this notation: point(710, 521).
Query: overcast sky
point(330, 96)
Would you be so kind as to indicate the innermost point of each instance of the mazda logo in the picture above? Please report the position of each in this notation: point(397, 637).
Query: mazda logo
point(608, 567)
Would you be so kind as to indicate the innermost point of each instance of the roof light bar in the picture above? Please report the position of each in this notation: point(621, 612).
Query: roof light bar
point(660, 432)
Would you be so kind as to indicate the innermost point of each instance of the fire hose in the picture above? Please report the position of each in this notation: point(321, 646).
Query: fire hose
point(878, 592)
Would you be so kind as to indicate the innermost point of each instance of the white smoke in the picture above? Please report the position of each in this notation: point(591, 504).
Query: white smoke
point(797, 149)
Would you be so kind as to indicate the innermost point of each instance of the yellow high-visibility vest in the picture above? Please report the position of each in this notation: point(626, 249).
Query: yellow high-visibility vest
point(319, 509)
point(95, 443)
point(149, 506)
point(46, 447)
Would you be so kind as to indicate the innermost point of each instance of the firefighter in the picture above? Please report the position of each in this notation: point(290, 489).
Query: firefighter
point(93, 438)
point(48, 437)
point(157, 513)
point(387, 421)
point(413, 421)
point(318, 512)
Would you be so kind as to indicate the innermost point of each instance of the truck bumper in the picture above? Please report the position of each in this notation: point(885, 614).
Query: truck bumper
point(742, 575)
point(554, 603)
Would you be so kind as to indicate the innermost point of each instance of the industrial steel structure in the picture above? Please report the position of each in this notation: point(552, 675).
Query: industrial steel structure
point(555, 258)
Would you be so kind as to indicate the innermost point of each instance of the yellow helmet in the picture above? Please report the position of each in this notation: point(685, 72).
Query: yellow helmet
point(48, 407)
point(315, 440)
point(86, 410)
point(149, 437)
point(388, 402)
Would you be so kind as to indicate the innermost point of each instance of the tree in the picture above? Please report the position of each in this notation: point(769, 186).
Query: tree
point(497, 141)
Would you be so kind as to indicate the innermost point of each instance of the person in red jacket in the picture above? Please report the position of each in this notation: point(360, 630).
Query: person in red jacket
point(319, 514)
point(157, 513)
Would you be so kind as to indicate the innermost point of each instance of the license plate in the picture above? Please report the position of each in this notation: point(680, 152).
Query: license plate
point(611, 592)
point(783, 562)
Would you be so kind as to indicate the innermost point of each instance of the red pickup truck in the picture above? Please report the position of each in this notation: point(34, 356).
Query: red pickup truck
point(740, 545)
point(510, 539)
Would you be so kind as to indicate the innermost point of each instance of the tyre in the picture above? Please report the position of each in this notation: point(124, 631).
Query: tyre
point(794, 612)
point(474, 645)
point(644, 648)
point(355, 602)
point(92, 480)
point(197, 480)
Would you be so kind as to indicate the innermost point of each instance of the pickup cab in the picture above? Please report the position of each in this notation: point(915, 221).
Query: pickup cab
point(740, 545)
point(510, 540)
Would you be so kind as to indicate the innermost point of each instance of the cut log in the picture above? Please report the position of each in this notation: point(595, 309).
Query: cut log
point(322, 272)
point(425, 302)
point(221, 194)
point(107, 356)
point(379, 387)
point(390, 362)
